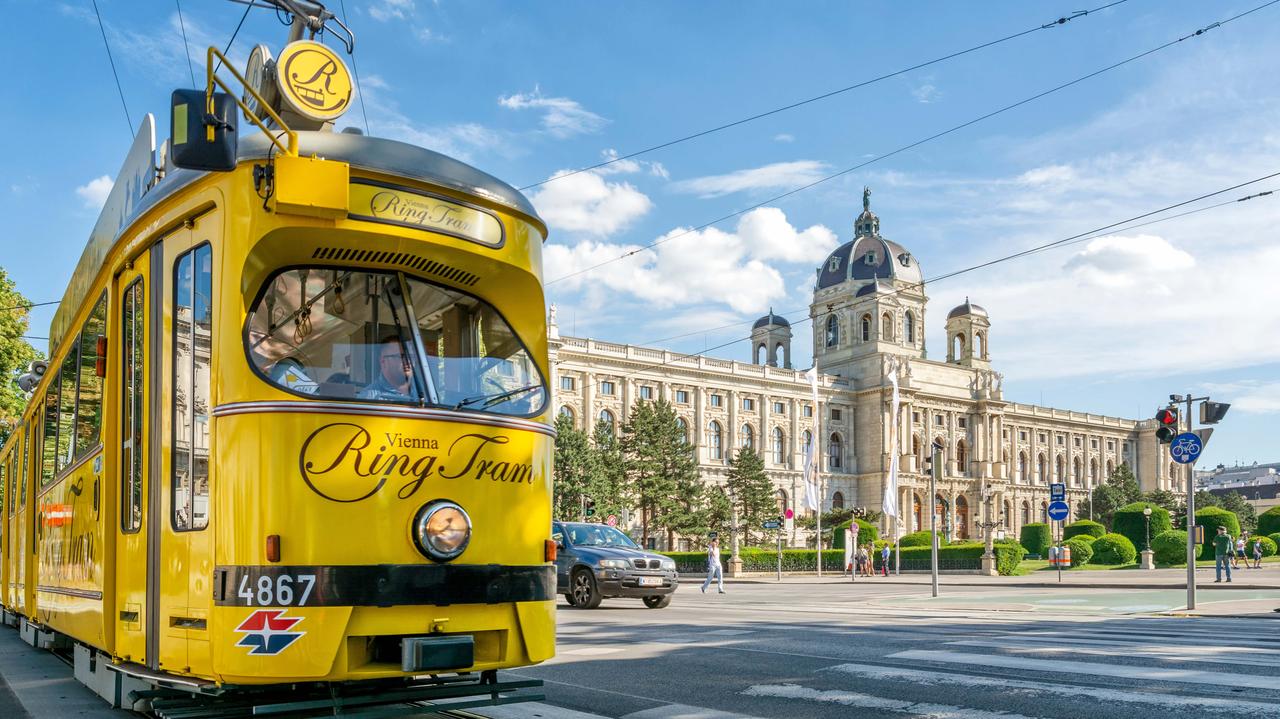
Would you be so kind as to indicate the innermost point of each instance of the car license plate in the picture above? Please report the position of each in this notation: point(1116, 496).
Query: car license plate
point(650, 581)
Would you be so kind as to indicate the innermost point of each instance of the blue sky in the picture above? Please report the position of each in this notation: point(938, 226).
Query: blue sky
point(527, 90)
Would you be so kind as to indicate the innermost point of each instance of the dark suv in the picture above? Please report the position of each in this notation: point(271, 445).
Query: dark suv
point(595, 561)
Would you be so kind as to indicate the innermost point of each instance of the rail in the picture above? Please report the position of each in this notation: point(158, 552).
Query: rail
point(290, 149)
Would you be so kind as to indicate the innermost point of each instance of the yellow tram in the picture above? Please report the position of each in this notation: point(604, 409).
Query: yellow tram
point(294, 429)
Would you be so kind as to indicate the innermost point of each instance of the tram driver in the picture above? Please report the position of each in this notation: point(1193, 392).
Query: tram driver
point(395, 373)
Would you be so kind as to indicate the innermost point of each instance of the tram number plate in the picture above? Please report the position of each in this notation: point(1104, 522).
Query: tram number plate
point(283, 590)
point(650, 581)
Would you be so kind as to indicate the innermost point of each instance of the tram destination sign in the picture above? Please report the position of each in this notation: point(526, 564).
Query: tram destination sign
point(377, 202)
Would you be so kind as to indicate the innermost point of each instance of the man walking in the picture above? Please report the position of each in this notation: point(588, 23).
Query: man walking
point(1222, 552)
point(884, 559)
point(713, 566)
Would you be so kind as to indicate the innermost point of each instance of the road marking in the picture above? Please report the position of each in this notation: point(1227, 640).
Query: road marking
point(589, 651)
point(731, 632)
point(1161, 674)
point(684, 711)
point(1243, 653)
point(1226, 707)
point(1068, 647)
point(867, 701)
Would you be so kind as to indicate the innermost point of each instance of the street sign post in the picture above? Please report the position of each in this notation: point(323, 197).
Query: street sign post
point(612, 521)
point(1186, 447)
point(1057, 492)
point(771, 524)
point(1058, 510)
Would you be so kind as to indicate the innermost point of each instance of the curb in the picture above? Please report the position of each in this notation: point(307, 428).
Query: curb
point(987, 585)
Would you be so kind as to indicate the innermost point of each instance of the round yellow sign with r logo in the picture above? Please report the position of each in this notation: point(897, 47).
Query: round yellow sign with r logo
point(313, 80)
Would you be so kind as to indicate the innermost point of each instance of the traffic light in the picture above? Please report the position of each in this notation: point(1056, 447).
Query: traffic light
point(589, 507)
point(1213, 412)
point(1167, 419)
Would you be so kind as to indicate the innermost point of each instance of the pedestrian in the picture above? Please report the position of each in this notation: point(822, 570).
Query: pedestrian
point(1239, 553)
point(884, 559)
point(713, 566)
point(870, 565)
point(1222, 545)
point(1257, 554)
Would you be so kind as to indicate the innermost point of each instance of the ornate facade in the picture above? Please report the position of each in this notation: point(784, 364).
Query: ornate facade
point(868, 313)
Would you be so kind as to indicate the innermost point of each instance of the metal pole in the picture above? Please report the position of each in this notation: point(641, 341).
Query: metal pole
point(820, 523)
point(779, 555)
point(897, 547)
point(1059, 523)
point(935, 470)
point(1191, 519)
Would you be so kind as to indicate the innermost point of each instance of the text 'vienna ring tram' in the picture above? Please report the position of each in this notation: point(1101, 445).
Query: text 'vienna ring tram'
point(290, 452)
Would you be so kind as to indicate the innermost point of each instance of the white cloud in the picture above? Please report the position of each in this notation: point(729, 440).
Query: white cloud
point(687, 268)
point(390, 10)
point(786, 175)
point(1117, 261)
point(784, 137)
point(94, 193)
point(561, 117)
point(588, 204)
point(1048, 175)
point(461, 140)
point(1252, 396)
point(926, 93)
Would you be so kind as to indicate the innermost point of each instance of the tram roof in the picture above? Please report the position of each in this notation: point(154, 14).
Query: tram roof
point(134, 193)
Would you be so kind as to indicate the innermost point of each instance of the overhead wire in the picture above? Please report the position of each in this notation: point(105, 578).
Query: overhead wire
point(1095, 232)
point(112, 61)
point(29, 305)
point(355, 70)
point(248, 6)
point(186, 48)
point(1062, 20)
point(904, 148)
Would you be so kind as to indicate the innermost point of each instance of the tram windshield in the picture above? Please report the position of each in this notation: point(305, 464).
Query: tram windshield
point(386, 337)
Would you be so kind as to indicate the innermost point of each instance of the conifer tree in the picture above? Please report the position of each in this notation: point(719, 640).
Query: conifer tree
point(575, 466)
point(751, 490)
point(661, 470)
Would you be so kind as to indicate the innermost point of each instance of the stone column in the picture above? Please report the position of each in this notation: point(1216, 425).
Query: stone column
point(588, 402)
point(700, 422)
point(766, 437)
point(731, 434)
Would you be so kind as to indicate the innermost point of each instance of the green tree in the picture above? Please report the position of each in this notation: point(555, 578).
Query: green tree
point(661, 471)
point(575, 466)
point(15, 353)
point(608, 486)
point(717, 512)
point(1120, 489)
point(751, 491)
point(1235, 502)
point(1163, 498)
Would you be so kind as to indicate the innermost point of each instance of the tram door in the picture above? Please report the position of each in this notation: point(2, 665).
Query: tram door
point(134, 375)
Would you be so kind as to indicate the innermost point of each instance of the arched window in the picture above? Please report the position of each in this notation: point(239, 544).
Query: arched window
point(762, 353)
point(981, 342)
point(1093, 472)
point(779, 446)
point(916, 508)
point(1044, 512)
point(886, 327)
point(779, 355)
point(957, 347)
point(918, 451)
point(1022, 466)
point(782, 502)
point(833, 331)
point(962, 517)
point(607, 417)
point(1042, 470)
point(909, 327)
point(837, 500)
point(1075, 472)
point(684, 428)
point(567, 411)
point(715, 440)
point(1111, 468)
point(866, 328)
point(962, 457)
point(1007, 517)
point(1026, 512)
point(1060, 469)
point(748, 437)
point(834, 452)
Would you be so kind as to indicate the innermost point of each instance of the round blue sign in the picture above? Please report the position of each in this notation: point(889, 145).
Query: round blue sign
point(1058, 511)
point(1185, 448)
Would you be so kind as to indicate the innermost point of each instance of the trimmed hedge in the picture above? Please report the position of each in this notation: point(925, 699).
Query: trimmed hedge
point(867, 533)
point(1036, 538)
point(1275, 538)
point(1084, 527)
point(762, 560)
point(1212, 518)
point(1269, 522)
point(915, 539)
point(1113, 549)
point(1268, 546)
point(1130, 521)
point(1081, 549)
point(1170, 547)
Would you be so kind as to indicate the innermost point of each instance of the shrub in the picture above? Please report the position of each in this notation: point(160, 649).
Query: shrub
point(1170, 546)
point(1113, 549)
point(1036, 538)
point(1212, 518)
point(1131, 522)
point(1084, 527)
point(1269, 522)
point(1081, 550)
point(915, 539)
point(1275, 538)
point(867, 533)
point(1268, 546)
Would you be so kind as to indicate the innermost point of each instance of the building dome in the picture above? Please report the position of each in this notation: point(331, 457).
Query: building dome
point(868, 256)
point(968, 308)
point(771, 319)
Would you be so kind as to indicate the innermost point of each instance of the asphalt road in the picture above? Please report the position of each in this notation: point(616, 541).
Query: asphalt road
point(833, 650)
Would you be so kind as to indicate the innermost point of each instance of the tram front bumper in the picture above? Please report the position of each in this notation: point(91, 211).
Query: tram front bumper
point(428, 653)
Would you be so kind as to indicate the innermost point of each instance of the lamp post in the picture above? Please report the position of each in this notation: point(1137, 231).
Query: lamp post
point(1148, 557)
point(987, 525)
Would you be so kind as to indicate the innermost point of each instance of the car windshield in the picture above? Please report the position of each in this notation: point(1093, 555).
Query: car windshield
point(386, 337)
point(593, 535)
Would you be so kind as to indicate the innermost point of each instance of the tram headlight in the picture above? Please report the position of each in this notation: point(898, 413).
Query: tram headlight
point(441, 530)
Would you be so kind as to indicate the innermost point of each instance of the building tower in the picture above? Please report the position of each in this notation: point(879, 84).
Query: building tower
point(771, 341)
point(868, 300)
point(968, 330)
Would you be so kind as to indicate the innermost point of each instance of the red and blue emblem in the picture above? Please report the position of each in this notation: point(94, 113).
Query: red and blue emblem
point(267, 632)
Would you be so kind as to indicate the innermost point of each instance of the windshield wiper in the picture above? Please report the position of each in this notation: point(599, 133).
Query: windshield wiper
point(493, 399)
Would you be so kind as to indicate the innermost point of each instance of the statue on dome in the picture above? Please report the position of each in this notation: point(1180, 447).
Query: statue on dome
point(866, 198)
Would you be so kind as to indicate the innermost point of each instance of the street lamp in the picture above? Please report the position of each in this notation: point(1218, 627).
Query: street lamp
point(1146, 514)
point(988, 557)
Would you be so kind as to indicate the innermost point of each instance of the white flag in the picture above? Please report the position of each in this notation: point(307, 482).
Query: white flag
point(811, 499)
point(891, 482)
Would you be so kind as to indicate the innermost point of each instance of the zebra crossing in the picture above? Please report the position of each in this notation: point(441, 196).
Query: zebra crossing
point(1136, 668)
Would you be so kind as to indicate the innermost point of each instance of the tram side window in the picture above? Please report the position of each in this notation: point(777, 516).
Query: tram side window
point(192, 332)
point(349, 334)
point(131, 344)
point(67, 405)
point(89, 389)
point(49, 448)
point(28, 437)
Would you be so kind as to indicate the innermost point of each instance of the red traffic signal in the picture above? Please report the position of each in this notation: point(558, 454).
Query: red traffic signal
point(1167, 417)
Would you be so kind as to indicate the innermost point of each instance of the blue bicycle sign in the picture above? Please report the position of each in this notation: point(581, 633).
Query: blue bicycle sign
point(1185, 448)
